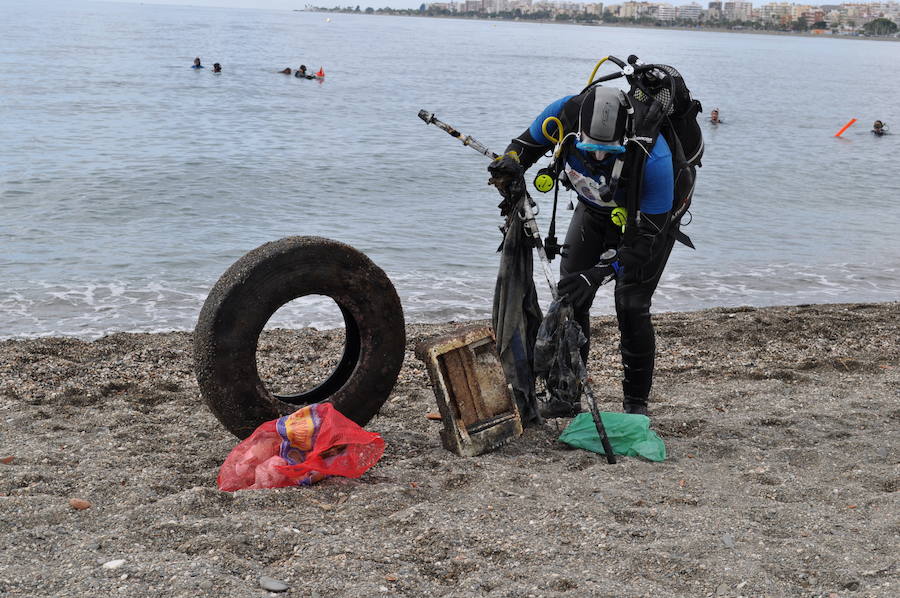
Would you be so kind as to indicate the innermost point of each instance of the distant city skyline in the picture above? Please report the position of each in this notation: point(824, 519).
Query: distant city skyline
point(300, 4)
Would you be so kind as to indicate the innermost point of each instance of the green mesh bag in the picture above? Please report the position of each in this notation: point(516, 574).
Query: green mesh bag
point(629, 434)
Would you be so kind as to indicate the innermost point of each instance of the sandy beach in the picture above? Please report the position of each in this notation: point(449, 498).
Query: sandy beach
point(781, 426)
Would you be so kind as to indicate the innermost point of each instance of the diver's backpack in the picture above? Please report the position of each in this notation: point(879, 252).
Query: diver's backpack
point(678, 125)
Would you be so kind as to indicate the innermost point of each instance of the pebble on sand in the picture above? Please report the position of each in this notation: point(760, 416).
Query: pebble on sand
point(272, 585)
point(113, 564)
point(79, 504)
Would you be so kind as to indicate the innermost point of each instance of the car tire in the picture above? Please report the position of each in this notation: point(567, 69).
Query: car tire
point(254, 288)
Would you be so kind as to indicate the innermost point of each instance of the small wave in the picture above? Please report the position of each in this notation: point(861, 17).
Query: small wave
point(93, 309)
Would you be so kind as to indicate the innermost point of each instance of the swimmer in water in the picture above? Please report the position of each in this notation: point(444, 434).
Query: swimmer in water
point(217, 68)
point(286, 71)
point(714, 117)
point(197, 64)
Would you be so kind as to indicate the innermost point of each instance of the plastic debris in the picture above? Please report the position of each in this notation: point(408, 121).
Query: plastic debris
point(301, 449)
point(629, 434)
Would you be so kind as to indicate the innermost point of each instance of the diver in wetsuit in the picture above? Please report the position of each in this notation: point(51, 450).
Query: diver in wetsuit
point(879, 128)
point(597, 120)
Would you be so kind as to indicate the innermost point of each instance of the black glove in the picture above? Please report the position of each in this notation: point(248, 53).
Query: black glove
point(508, 176)
point(504, 167)
point(581, 287)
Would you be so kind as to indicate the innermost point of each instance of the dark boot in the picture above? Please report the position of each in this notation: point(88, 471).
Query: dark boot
point(635, 405)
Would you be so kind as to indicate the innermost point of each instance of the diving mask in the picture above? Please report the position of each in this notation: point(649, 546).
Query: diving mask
point(599, 151)
point(599, 147)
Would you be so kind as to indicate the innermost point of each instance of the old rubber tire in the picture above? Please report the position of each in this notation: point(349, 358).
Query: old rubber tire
point(251, 290)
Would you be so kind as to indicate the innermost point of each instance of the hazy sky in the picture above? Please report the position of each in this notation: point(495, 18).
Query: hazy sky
point(299, 4)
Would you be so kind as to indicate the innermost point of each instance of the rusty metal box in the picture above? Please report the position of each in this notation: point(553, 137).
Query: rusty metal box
point(476, 403)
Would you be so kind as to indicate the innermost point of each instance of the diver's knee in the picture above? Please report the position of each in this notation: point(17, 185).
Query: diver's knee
point(632, 304)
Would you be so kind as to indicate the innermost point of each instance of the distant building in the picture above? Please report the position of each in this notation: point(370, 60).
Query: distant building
point(636, 10)
point(798, 10)
point(737, 11)
point(544, 7)
point(689, 12)
point(665, 12)
point(776, 13)
point(571, 8)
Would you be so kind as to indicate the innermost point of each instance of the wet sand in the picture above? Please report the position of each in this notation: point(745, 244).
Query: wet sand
point(781, 425)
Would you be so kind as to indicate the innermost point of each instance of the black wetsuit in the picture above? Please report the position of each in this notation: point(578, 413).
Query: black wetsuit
point(591, 232)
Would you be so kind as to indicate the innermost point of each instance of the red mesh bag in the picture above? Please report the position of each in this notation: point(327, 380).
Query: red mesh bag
point(301, 449)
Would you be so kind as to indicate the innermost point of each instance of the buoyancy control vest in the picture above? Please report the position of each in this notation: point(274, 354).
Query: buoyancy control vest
point(594, 184)
point(660, 104)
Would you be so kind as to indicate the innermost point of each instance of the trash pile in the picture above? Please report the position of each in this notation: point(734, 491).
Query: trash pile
point(301, 449)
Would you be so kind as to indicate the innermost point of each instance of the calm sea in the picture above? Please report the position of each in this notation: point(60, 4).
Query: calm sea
point(129, 182)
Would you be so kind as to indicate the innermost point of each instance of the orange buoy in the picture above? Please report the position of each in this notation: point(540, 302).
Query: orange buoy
point(321, 75)
point(845, 127)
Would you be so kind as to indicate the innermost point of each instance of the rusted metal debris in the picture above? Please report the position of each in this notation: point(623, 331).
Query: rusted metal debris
point(473, 397)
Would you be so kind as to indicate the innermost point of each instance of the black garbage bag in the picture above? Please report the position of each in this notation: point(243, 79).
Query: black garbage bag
point(517, 315)
point(557, 353)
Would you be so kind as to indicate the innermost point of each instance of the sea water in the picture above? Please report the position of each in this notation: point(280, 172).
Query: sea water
point(129, 182)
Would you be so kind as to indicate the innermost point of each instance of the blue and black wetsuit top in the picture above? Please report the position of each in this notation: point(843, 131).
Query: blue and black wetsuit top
point(657, 191)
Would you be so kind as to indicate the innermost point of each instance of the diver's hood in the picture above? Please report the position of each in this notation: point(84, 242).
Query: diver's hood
point(603, 116)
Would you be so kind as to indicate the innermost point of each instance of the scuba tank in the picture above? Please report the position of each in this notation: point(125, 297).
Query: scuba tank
point(663, 84)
